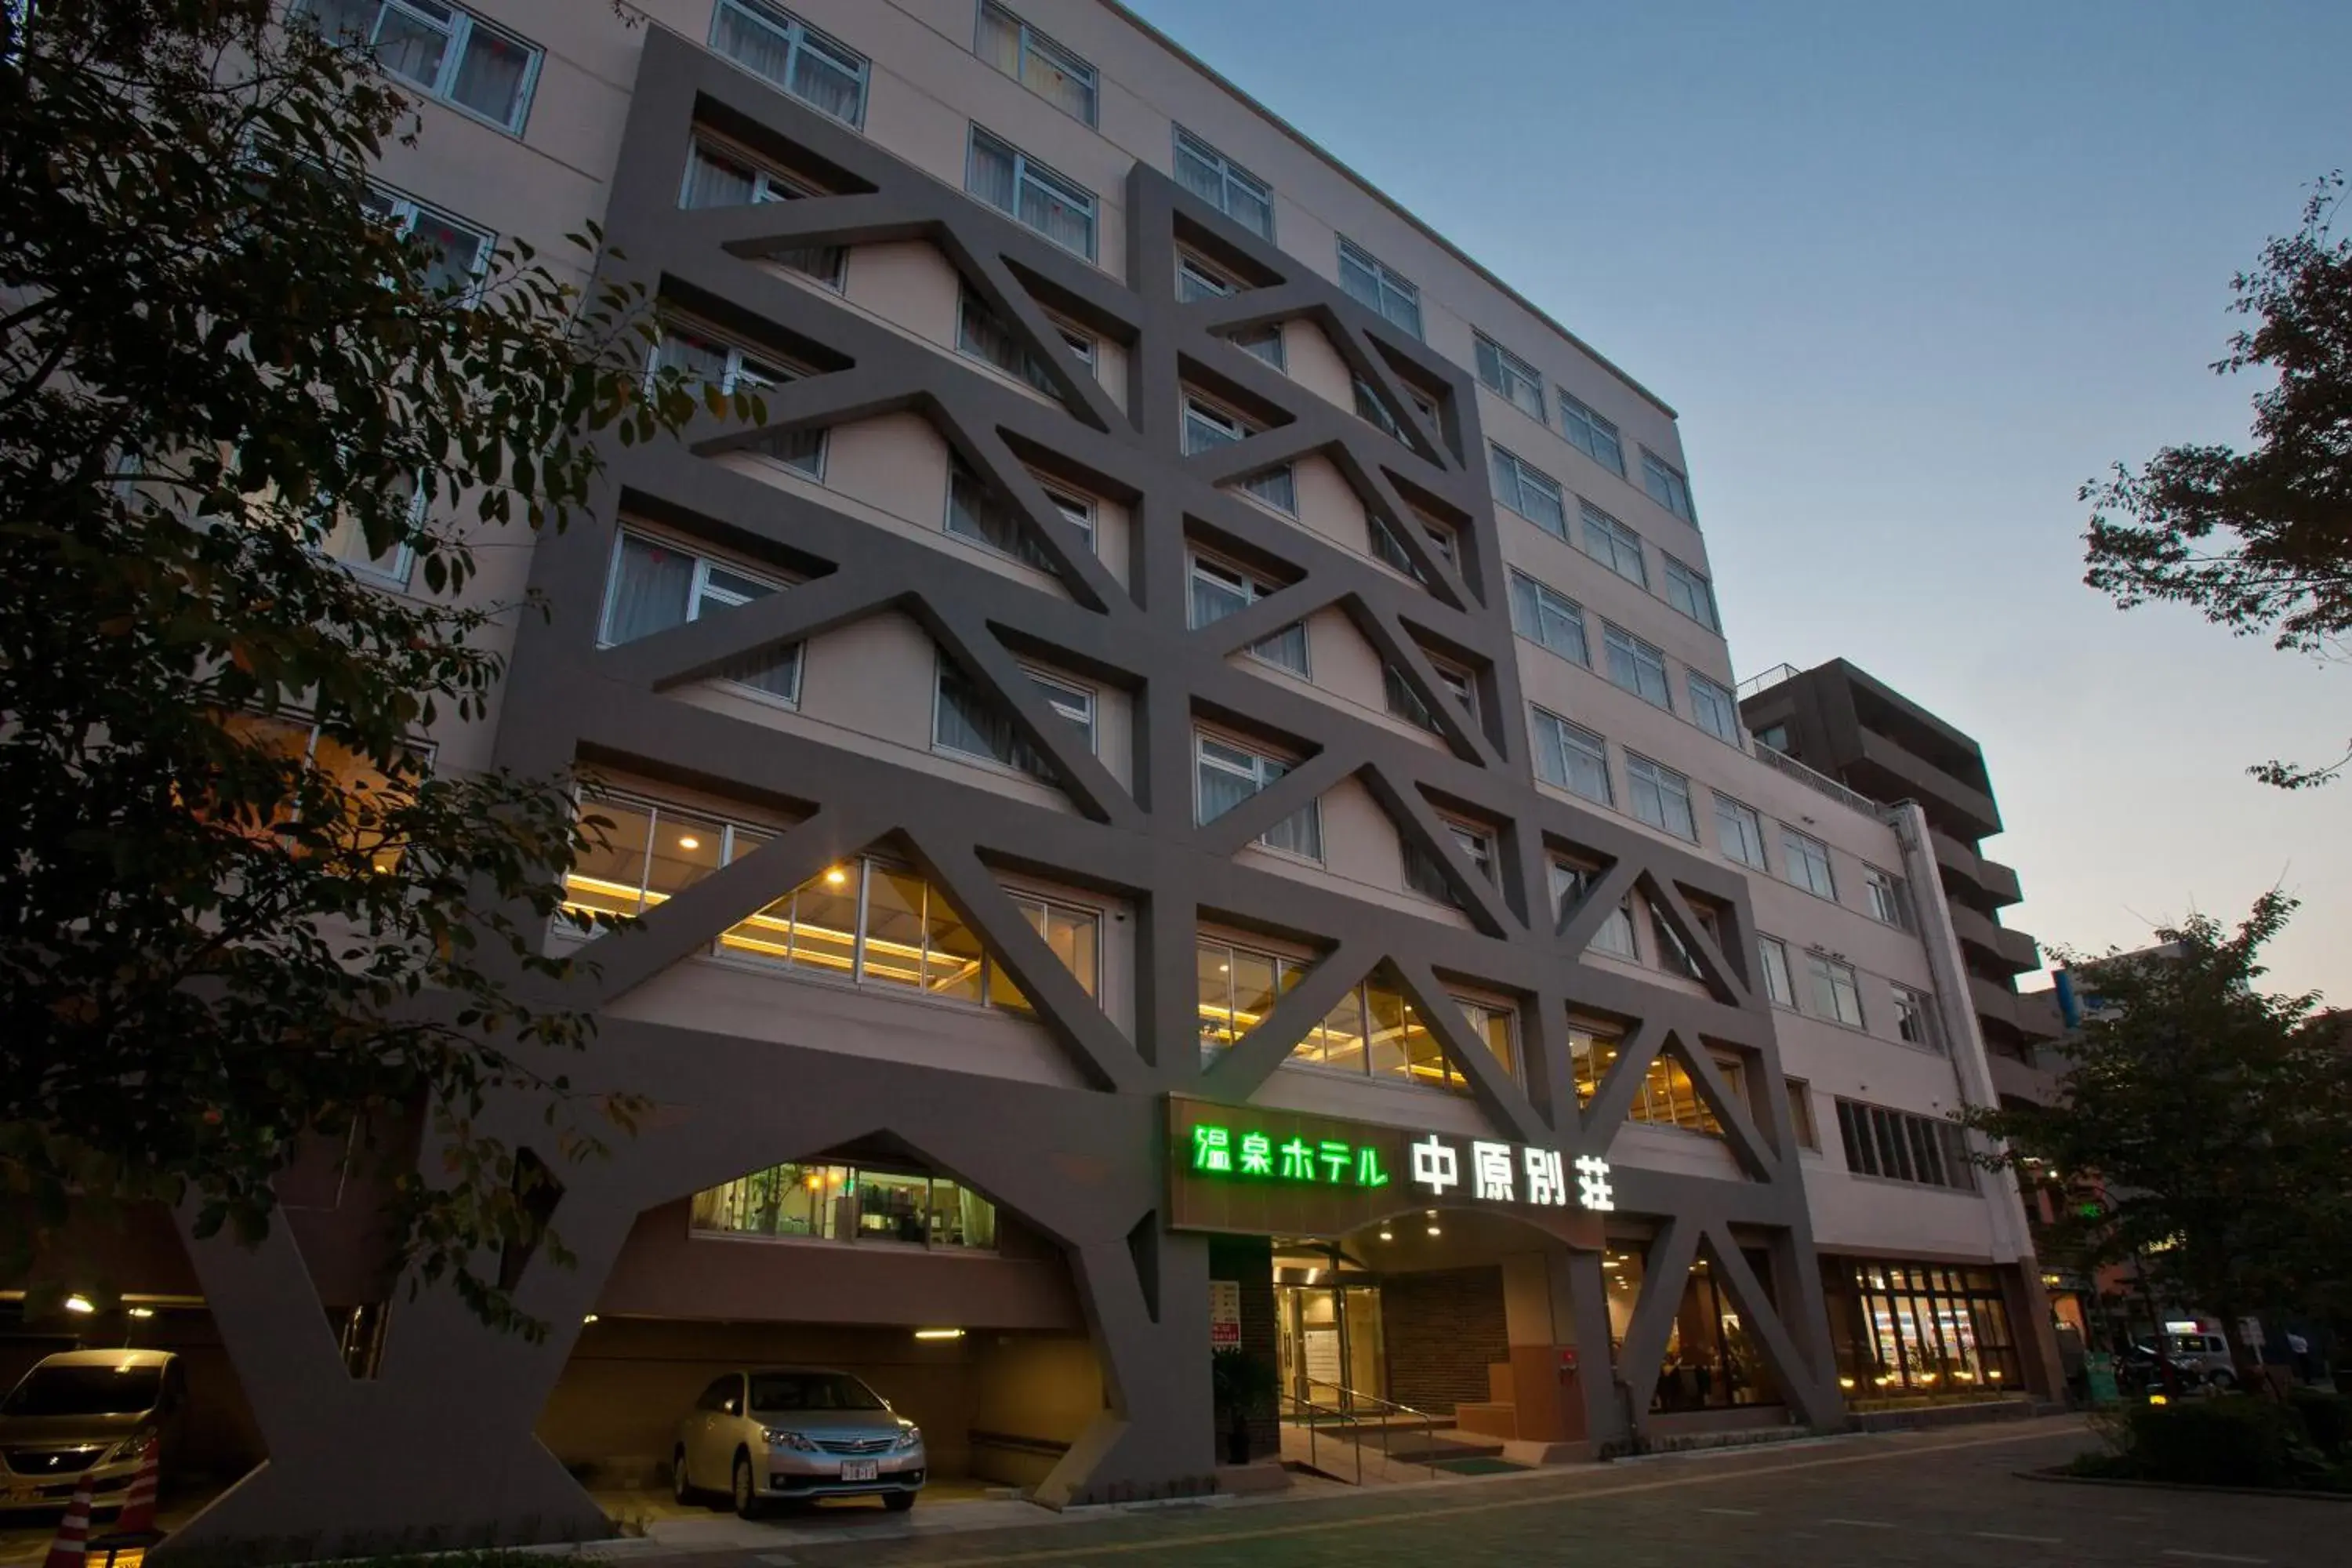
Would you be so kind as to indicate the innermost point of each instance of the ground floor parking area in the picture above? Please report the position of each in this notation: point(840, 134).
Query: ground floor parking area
point(1952, 1496)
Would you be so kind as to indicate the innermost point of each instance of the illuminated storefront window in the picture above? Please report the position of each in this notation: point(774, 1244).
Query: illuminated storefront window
point(1919, 1329)
point(1667, 1098)
point(1712, 1361)
point(1371, 1030)
point(848, 1204)
point(865, 921)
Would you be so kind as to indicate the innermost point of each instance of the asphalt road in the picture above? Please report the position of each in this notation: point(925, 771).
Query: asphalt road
point(1953, 1497)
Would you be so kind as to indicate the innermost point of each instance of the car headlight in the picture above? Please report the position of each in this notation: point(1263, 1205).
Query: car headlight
point(798, 1442)
point(911, 1437)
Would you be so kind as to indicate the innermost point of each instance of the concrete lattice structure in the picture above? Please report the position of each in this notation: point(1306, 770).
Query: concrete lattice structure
point(1059, 1116)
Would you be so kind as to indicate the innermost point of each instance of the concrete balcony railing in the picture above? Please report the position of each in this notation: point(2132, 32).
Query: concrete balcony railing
point(1992, 1001)
point(1924, 781)
point(2014, 1080)
point(1995, 943)
point(1997, 881)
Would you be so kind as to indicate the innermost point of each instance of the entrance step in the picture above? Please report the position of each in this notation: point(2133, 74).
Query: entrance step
point(1416, 1448)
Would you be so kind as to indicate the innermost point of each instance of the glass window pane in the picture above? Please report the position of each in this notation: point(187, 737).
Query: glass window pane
point(825, 916)
point(1253, 989)
point(894, 927)
point(892, 1207)
point(1342, 1032)
point(953, 959)
point(491, 77)
point(652, 587)
point(961, 1217)
point(685, 850)
point(610, 877)
point(1215, 964)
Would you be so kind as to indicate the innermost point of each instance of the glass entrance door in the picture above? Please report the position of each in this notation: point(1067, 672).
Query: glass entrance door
point(1330, 1342)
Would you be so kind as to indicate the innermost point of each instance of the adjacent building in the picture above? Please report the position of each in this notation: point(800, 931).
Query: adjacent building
point(1183, 788)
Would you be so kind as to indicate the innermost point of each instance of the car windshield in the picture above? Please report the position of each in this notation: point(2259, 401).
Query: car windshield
point(86, 1390)
point(810, 1390)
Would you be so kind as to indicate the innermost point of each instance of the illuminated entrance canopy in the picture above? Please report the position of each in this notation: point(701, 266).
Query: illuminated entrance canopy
point(1244, 1168)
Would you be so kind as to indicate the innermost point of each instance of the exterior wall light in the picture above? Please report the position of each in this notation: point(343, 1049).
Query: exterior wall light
point(938, 1334)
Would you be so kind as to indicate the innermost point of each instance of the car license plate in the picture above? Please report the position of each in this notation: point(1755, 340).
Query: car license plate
point(859, 1470)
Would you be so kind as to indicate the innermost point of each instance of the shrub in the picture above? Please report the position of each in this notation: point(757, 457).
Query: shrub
point(2237, 1441)
point(2326, 1419)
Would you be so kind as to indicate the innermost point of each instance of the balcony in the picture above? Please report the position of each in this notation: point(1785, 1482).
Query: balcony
point(1892, 771)
point(2013, 950)
point(1995, 881)
point(2014, 1080)
point(1993, 1002)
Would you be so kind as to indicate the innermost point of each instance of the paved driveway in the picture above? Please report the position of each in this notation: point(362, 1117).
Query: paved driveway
point(1862, 1502)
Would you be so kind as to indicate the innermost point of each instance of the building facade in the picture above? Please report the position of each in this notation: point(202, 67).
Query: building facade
point(1182, 787)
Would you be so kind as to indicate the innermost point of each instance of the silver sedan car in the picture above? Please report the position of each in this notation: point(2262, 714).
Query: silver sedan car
point(795, 1433)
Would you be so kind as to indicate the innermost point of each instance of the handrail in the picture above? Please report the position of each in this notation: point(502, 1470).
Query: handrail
point(1351, 1397)
point(1314, 1429)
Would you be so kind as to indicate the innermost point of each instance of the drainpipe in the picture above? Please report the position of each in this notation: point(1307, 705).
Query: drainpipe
point(1971, 1069)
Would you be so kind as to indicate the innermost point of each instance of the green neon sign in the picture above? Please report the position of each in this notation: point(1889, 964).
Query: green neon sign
point(1217, 1151)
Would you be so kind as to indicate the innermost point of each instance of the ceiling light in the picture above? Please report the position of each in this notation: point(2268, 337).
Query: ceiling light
point(1434, 1231)
point(689, 841)
point(589, 1318)
point(1388, 1236)
point(79, 1304)
point(835, 878)
point(938, 1334)
point(142, 1311)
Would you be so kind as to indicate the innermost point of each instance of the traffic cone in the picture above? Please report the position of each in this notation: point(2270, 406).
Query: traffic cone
point(71, 1547)
point(138, 1515)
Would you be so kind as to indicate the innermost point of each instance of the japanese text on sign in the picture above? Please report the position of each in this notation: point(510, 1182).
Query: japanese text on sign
point(1482, 1171)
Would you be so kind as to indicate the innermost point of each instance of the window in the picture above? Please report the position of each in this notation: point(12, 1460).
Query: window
point(983, 335)
point(1224, 185)
point(1030, 192)
point(1713, 707)
point(1369, 279)
point(978, 513)
point(1572, 757)
point(1638, 666)
point(1668, 1096)
point(1219, 590)
point(653, 585)
point(1196, 280)
point(769, 41)
point(1207, 427)
point(1835, 996)
point(1373, 1031)
point(1528, 490)
point(1406, 703)
point(1228, 774)
point(1889, 901)
point(1571, 886)
point(1777, 984)
point(700, 356)
point(459, 253)
point(1614, 544)
point(1777, 736)
point(1801, 1113)
point(843, 1204)
point(1514, 377)
point(864, 920)
point(970, 720)
point(1691, 594)
point(1592, 434)
point(345, 541)
point(1674, 955)
point(1036, 62)
point(1901, 1147)
point(1425, 875)
point(1390, 550)
point(1667, 486)
point(1915, 1018)
point(1740, 830)
point(1551, 618)
point(1265, 342)
point(1806, 860)
point(1661, 796)
point(1076, 511)
point(716, 178)
point(440, 50)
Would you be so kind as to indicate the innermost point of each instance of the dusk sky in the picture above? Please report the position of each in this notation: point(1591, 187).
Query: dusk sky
point(1910, 275)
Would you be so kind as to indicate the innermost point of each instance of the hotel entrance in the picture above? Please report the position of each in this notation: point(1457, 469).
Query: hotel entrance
point(1327, 1329)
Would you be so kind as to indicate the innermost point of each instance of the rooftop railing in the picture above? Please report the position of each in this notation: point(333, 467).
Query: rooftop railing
point(1820, 783)
point(1767, 679)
